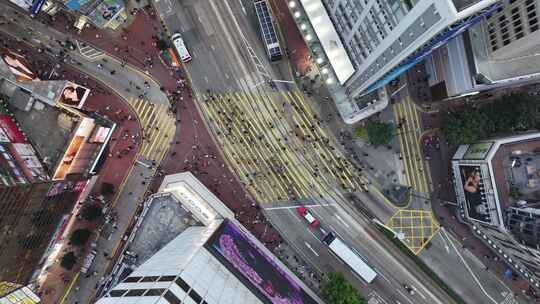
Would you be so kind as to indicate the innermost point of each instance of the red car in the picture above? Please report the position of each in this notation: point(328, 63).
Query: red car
point(313, 222)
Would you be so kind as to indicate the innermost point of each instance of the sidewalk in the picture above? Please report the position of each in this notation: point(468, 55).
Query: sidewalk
point(114, 168)
point(447, 216)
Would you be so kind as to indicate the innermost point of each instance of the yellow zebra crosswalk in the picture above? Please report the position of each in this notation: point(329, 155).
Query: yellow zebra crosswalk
point(277, 146)
point(158, 126)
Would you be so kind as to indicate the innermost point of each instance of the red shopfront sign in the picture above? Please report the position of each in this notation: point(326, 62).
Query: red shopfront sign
point(10, 129)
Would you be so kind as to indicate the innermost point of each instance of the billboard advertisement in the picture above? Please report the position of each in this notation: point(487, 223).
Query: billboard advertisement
point(18, 65)
point(435, 43)
point(478, 150)
point(73, 95)
point(474, 193)
point(36, 7)
point(250, 264)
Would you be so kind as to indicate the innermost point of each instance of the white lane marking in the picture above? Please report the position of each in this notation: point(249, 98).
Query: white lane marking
point(243, 8)
point(199, 18)
point(445, 243)
point(212, 47)
point(342, 221)
point(226, 75)
point(323, 231)
point(294, 216)
point(293, 207)
point(404, 295)
point(206, 79)
point(311, 248)
point(228, 36)
point(337, 233)
point(418, 292)
point(313, 234)
point(385, 278)
point(469, 269)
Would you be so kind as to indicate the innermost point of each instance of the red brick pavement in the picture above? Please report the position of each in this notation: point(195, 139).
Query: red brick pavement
point(114, 169)
point(297, 49)
point(192, 130)
point(440, 169)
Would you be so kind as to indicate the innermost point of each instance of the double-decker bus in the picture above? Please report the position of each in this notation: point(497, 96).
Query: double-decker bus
point(268, 32)
point(350, 257)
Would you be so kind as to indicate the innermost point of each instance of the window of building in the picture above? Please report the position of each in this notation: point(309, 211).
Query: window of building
point(534, 28)
point(182, 284)
point(195, 296)
point(154, 292)
point(150, 279)
point(166, 278)
point(519, 35)
point(132, 279)
point(135, 292)
point(172, 298)
point(117, 293)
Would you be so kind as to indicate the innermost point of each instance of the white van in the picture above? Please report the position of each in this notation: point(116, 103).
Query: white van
point(180, 47)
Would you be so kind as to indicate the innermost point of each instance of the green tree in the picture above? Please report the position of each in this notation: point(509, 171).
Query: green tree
point(107, 189)
point(361, 133)
point(68, 260)
point(506, 115)
point(91, 212)
point(380, 133)
point(162, 44)
point(338, 291)
point(79, 237)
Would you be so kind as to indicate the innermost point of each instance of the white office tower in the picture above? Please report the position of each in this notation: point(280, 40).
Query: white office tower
point(214, 260)
point(362, 45)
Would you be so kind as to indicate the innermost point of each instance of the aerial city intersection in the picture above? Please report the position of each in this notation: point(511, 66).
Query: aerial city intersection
point(269, 151)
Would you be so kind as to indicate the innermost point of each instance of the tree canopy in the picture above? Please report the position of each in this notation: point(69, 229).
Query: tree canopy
point(506, 115)
point(68, 260)
point(338, 291)
point(91, 212)
point(107, 189)
point(379, 133)
point(79, 237)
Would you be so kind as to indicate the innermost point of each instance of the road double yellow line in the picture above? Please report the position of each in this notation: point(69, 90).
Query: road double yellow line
point(409, 136)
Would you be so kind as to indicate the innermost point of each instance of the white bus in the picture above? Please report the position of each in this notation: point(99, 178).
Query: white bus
point(180, 47)
point(350, 257)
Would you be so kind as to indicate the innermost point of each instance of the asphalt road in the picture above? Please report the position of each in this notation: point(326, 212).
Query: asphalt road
point(392, 267)
point(227, 57)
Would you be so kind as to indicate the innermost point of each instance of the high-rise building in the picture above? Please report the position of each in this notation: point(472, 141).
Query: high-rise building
point(49, 147)
point(360, 46)
point(497, 184)
point(499, 51)
point(187, 247)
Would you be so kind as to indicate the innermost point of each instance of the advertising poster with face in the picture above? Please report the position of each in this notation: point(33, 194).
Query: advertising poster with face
point(474, 193)
point(73, 95)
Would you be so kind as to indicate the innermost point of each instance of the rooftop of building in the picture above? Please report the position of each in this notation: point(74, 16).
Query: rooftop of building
point(162, 222)
point(516, 169)
point(519, 58)
point(172, 247)
point(48, 129)
point(524, 223)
